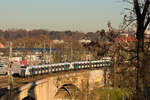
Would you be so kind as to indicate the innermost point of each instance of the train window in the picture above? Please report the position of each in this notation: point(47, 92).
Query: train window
point(37, 69)
point(57, 66)
point(30, 70)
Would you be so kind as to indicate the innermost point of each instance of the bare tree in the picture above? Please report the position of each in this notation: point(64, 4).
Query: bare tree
point(141, 15)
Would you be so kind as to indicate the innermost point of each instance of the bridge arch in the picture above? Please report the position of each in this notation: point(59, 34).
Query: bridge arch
point(68, 91)
point(28, 98)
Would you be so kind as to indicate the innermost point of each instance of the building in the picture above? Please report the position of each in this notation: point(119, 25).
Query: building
point(1, 45)
point(85, 40)
point(126, 37)
point(58, 41)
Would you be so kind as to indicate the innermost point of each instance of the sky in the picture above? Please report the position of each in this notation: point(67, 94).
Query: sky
point(60, 15)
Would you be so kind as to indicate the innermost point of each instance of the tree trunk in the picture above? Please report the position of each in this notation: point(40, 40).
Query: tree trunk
point(140, 64)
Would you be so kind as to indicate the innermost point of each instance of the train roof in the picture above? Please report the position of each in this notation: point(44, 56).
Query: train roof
point(57, 64)
point(107, 58)
point(88, 61)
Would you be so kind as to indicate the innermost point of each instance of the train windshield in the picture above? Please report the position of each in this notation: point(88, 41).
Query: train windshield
point(23, 67)
point(1, 65)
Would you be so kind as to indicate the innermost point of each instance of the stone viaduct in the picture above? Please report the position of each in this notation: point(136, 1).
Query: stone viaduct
point(69, 86)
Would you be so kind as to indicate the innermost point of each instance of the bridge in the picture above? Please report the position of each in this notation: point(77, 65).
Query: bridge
point(70, 85)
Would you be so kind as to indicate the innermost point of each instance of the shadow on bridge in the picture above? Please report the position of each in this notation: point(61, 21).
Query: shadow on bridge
point(13, 95)
point(68, 91)
point(29, 98)
point(31, 93)
point(3, 91)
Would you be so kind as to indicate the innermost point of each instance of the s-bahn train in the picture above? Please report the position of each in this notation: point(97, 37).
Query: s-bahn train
point(49, 68)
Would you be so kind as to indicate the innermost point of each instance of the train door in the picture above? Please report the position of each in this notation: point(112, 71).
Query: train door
point(36, 70)
point(67, 67)
point(49, 68)
point(60, 67)
point(63, 67)
point(75, 65)
point(52, 68)
point(32, 70)
point(79, 65)
point(55, 68)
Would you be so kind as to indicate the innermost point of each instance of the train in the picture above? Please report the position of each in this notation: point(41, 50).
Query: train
point(32, 70)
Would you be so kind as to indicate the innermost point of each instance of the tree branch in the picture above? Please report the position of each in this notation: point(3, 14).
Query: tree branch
point(147, 22)
point(128, 1)
point(145, 8)
point(137, 8)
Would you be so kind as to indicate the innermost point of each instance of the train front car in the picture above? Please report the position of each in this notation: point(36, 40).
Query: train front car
point(23, 70)
point(107, 61)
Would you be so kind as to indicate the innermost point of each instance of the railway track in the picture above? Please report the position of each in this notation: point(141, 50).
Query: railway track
point(3, 76)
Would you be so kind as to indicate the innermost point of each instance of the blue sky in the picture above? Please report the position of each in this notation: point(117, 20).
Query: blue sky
point(81, 15)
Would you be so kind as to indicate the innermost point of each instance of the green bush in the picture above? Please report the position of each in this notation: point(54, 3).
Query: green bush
point(112, 94)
